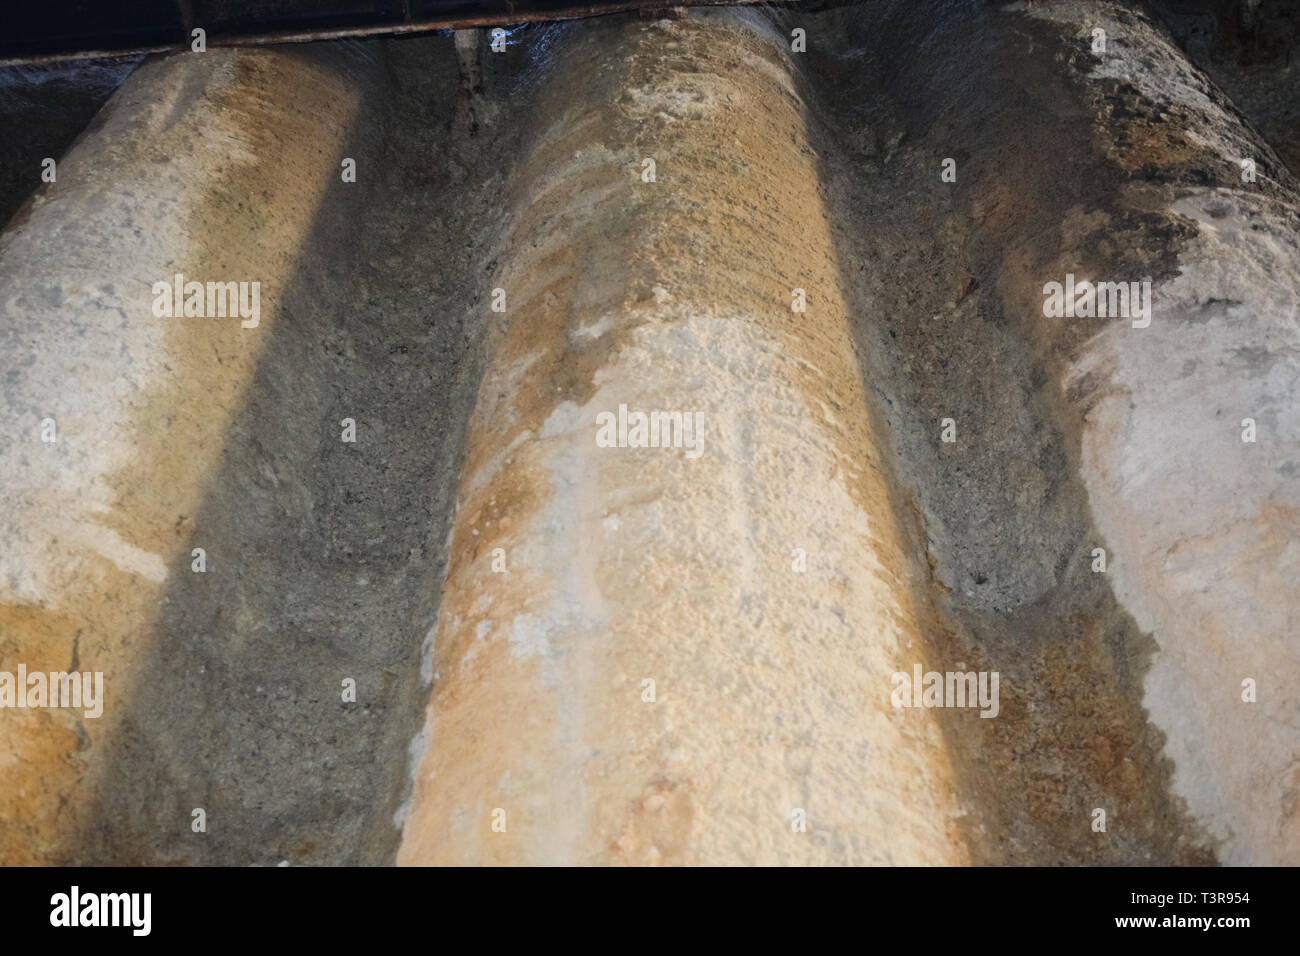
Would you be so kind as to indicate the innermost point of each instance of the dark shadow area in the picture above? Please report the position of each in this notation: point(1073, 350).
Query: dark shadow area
point(1252, 52)
point(1000, 514)
point(325, 558)
point(43, 110)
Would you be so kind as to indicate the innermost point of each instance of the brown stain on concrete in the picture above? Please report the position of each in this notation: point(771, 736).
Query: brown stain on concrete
point(1087, 693)
point(1072, 734)
point(43, 755)
point(1070, 703)
point(1076, 736)
point(734, 222)
point(179, 430)
point(175, 430)
point(256, 732)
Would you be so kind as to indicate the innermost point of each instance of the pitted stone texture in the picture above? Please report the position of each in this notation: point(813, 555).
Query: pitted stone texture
point(772, 686)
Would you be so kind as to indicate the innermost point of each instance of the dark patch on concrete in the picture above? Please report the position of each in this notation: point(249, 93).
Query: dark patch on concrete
point(43, 112)
point(1003, 512)
point(326, 558)
point(1252, 52)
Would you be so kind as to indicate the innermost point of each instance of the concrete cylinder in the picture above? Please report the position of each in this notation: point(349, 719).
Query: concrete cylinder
point(1190, 428)
point(664, 647)
point(1092, 151)
point(208, 166)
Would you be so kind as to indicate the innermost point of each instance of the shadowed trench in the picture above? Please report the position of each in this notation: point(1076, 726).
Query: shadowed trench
point(324, 557)
point(1000, 515)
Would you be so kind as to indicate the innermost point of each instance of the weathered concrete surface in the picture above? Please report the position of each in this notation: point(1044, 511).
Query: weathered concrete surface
point(1120, 691)
point(622, 565)
point(325, 555)
point(212, 166)
point(1088, 432)
point(1205, 526)
point(1248, 48)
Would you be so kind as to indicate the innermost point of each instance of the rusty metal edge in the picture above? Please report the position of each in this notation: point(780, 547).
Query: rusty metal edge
point(388, 29)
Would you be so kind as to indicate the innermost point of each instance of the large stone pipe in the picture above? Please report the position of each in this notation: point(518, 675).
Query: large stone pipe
point(664, 647)
point(209, 166)
point(1091, 151)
